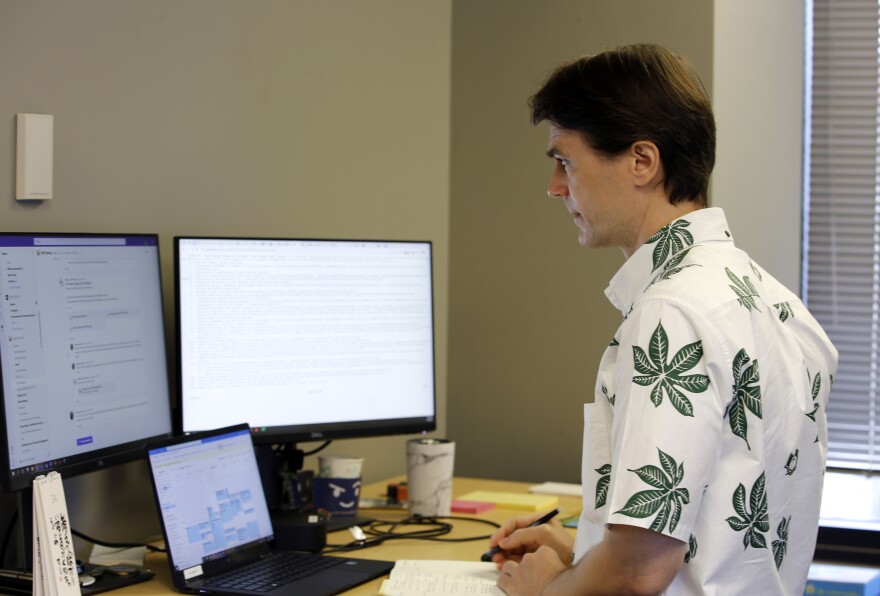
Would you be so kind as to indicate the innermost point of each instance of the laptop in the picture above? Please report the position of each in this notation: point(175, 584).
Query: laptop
point(217, 526)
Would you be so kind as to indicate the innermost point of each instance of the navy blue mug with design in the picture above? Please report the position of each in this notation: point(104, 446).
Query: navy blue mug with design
point(337, 496)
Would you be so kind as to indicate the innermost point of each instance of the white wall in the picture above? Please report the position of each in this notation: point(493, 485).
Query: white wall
point(758, 98)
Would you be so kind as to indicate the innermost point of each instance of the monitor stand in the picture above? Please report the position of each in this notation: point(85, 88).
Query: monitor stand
point(106, 579)
point(286, 492)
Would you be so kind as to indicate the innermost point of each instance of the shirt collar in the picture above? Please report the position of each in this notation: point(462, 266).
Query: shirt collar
point(698, 227)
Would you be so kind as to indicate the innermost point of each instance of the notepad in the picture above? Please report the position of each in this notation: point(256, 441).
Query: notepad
point(558, 488)
point(503, 500)
point(441, 578)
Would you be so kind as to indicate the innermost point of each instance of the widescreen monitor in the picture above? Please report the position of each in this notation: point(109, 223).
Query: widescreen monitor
point(305, 339)
point(82, 353)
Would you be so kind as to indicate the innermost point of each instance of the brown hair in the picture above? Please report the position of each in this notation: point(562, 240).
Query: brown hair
point(632, 93)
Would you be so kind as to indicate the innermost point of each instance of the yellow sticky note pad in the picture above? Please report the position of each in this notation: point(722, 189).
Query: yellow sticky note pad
point(502, 500)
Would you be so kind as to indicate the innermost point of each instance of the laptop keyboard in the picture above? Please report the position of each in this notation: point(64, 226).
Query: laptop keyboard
point(279, 568)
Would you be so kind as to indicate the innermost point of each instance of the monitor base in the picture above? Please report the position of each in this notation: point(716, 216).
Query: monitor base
point(106, 579)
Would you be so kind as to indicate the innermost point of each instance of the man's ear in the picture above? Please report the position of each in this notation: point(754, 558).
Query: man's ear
point(646, 166)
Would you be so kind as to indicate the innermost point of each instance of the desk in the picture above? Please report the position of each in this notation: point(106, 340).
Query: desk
point(395, 549)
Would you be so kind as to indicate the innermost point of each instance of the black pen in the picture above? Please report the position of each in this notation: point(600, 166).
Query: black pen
point(487, 556)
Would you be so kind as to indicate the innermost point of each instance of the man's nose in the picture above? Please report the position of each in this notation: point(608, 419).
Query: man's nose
point(556, 189)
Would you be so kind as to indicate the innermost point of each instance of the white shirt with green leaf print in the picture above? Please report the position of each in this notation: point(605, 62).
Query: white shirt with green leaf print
point(709, 418)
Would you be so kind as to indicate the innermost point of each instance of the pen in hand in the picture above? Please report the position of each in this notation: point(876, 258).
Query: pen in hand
point(487, 556)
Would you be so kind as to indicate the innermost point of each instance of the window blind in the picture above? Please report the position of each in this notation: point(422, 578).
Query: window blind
point(842, 219)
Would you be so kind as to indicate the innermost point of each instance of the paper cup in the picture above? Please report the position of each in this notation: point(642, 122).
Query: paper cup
point(337, 466)
point(429, 464)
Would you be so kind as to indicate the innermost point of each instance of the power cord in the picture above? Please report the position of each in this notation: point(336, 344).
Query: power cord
point(320, 447)
point(433, 528)
point(8, 535)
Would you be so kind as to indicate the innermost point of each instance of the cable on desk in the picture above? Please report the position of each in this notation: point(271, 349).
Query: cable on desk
point(155, 549)
point(8, 536)
point(378, 531)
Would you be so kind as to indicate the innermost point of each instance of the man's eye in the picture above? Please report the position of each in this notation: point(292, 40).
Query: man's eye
point(563, 162)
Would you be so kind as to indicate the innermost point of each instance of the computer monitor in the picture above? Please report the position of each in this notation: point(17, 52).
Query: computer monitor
point(305, 339)
point(82, 353)
point(82, 360)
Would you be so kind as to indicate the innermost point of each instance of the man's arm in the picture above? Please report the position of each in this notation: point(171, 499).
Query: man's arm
point(629, 560)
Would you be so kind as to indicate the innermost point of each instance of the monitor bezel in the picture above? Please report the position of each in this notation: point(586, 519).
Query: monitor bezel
point(293, 434)
point(98, 459)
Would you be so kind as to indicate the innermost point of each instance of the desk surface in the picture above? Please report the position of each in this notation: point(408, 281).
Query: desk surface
point(396, 549)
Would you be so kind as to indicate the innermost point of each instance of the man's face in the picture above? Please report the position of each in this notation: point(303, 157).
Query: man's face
point(594, 189)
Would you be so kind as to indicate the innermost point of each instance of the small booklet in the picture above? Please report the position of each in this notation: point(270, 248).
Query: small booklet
point(441, 578)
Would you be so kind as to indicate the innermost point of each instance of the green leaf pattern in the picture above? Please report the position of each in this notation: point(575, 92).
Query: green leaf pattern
point(791, 463)
point(668, 377)
point(781, 545)
point(746, 395)
point(610, 398)
point(785, 311)
point(671, 239)
point(816, 387)
point(666, 499)
point(756, 272)
point(602, 484)
point(692, 549)
point(752, 516)
point(744, 290)
point(673, 266)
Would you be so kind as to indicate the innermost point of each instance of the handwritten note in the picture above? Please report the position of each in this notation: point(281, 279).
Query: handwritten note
point(441, 578)
point(54, 558)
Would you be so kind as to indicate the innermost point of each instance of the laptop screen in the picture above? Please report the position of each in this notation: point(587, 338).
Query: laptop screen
point(210, 498)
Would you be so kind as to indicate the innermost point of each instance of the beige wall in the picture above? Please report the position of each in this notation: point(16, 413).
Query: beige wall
point(528, 317)
point(759, 108)
point(271, 118)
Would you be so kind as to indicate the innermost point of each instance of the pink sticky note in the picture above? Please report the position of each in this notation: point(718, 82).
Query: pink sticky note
point(459, 506)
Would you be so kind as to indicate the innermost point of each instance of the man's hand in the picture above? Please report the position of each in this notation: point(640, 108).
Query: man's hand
point(629, 560)
point(532, 574)
point(516, 539)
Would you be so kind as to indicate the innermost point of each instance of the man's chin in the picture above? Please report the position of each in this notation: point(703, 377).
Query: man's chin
point(586, 239)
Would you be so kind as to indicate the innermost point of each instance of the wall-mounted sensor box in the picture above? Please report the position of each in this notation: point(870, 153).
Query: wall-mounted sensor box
point(35, 140)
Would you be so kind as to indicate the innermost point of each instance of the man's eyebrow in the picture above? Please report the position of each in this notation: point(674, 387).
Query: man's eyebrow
point(553, 153)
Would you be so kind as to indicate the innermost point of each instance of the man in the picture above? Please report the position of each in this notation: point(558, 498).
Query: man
point(705, 447)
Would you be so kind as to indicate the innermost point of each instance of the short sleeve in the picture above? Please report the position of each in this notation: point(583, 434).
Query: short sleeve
point(666, 432)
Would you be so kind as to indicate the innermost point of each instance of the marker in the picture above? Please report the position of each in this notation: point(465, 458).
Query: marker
point(487, 556)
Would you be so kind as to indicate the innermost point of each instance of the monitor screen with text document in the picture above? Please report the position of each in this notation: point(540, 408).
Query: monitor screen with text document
point(305, 339)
